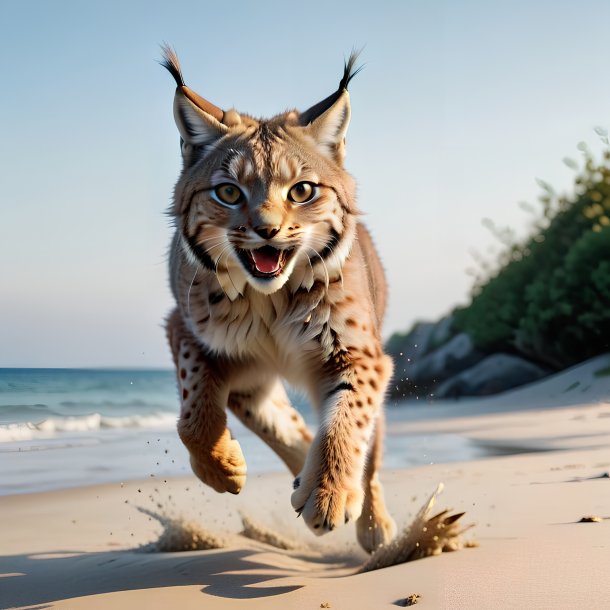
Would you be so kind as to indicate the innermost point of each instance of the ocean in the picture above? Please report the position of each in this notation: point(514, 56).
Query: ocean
point(70, 427)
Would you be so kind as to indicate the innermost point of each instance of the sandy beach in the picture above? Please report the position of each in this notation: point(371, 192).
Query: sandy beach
point(81, 548)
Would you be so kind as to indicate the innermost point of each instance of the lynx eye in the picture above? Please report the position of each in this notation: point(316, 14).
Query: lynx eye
point(228, 194)
point(303, 192)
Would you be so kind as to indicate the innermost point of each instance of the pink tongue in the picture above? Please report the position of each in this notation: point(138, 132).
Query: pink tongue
point(266, 261)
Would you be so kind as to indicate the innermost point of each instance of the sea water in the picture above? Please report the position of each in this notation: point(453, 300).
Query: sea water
point(70, 427)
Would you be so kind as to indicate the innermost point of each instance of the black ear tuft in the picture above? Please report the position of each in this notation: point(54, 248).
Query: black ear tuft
point(172, 65)
point(348, 69)
point(311, 114)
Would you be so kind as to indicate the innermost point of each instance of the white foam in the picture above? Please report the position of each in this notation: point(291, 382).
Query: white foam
point(56, 426)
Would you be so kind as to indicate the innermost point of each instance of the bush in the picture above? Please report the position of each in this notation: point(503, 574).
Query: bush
point(550, 298)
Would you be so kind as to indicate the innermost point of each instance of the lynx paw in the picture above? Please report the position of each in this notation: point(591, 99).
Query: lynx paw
point(223, 468)
point(326, 505)
point(374, 530)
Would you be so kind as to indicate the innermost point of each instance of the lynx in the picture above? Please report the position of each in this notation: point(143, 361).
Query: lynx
point(275, 277)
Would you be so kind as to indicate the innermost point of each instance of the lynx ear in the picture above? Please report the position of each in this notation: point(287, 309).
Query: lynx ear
point(329, 128)
point(198, 121)
point(196, 126)
point(327, 121)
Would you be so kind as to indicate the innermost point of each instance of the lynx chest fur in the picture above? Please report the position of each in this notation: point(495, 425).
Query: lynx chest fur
point(275, 278)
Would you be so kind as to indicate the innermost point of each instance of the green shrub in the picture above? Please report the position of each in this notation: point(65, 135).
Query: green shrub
point(550, 298)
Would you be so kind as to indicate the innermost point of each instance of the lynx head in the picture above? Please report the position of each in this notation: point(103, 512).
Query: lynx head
point(264, 202)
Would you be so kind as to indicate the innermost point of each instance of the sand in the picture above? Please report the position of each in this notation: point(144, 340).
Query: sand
point(91, 547)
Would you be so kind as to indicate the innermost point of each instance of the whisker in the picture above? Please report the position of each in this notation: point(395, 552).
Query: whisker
point(229, 276)
point(188, 294)
point(225, 249)
point(319, 242)
point(323, 264)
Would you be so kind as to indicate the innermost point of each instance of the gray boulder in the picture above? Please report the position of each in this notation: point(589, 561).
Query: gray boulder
point(441, 333)
point(408, 347)
point(493, 374)
point(454, 356)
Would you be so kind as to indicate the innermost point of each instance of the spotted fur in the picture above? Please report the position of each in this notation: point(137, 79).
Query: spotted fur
point(241, 325)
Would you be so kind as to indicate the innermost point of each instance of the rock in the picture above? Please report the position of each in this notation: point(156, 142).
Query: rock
point(493, 374)
point(441, 333)
point(407, 347)
point(454, 356)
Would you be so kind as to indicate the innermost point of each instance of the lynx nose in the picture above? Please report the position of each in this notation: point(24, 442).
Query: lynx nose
point(266, 231)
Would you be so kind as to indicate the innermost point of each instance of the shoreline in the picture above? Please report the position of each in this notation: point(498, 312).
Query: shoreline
point(417, 433)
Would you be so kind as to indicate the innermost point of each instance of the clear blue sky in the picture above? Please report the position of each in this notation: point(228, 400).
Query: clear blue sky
point(461, 105)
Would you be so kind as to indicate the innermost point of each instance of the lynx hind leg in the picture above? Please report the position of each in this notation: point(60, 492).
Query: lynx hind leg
point(216, 458)
point(268, 413)
point(375, 527)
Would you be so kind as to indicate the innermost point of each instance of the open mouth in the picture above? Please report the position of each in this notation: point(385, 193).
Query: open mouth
point(265, 262)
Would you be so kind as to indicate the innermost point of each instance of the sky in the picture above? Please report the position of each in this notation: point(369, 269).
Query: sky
point(460, 107)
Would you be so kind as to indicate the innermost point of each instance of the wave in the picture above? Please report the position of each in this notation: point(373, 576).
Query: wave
point(30, 412)
point(55, 426)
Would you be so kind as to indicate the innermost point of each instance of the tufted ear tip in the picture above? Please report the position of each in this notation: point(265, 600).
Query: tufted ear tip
point(169, 60)
point(198, 120)
point(349, 71)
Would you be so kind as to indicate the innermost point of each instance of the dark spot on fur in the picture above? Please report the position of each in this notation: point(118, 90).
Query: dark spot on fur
point(330, 244)
point(359, 403)
point(195, 388)
point(248, 413)
point(369, 400)
point(216, 297)
point(186, 415)
point(344, 385)
point(373, 384)
point(265, 430)
point(351, 322)
point(185, 394)
point(182, 374)
point(186, 355)
point(359, 423)
point(200, 253)
point(195, 369)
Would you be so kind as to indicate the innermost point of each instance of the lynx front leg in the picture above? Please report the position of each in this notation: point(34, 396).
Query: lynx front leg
point(329, 490)
point(375, 526)
point(268, 413)
point(216, 458)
